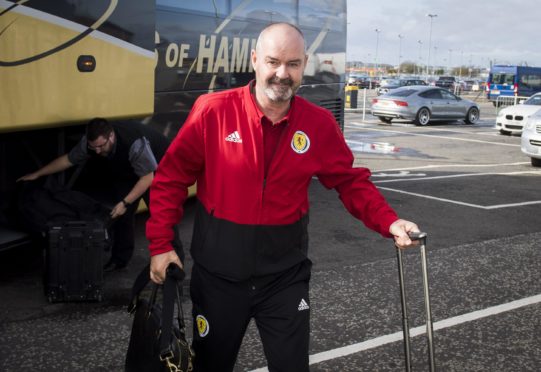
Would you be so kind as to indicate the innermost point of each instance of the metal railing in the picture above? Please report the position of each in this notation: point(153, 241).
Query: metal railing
point(504, 101)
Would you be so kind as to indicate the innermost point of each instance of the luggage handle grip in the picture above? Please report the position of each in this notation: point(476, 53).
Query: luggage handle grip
point(417, 235)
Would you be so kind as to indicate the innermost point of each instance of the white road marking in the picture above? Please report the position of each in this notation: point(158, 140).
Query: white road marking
point(417, 331)
point(402, 173)
point(374, 174)
point(436, 166)
point(492, 134)
point(487, 207)
point(447, 129)
point(478, 206)
point(444, 137)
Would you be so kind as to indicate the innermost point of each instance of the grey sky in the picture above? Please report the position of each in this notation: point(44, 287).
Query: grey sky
point(504, 31)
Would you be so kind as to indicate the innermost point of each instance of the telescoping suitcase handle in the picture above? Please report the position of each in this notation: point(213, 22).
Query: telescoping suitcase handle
point(421, 237)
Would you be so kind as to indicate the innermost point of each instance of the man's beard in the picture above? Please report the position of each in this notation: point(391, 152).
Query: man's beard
point(280, 90)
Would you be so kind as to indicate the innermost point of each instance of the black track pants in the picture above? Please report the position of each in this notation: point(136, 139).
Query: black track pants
point(222, 310)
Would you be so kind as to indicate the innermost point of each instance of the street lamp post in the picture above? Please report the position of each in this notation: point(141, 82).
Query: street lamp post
point(460, 68)
point(420, 56)
point(399, 51)
point(377, 44)
point(434, 65)
point(450, 54)
point(429, 40)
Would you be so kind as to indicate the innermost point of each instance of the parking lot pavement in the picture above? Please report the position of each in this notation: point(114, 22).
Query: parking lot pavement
point(475, 195)
point(468, 283)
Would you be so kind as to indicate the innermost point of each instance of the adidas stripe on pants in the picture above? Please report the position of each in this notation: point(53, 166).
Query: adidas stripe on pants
point(278, 303)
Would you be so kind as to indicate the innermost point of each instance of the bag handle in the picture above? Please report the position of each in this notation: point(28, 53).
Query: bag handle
point(171, 293)
point(174, 275)
point(143, 278)
point(140, 283)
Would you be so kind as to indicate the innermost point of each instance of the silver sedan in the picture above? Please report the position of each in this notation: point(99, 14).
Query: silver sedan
point(423, 104)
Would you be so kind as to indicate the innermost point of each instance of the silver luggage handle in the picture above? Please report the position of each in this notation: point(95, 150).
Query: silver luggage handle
point(417, 235)
point(421, 237)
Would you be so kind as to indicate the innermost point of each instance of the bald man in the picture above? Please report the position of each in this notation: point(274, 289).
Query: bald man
point(253, 152)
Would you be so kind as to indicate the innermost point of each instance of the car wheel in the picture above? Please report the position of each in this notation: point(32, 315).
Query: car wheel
point(536, 162)
point(472, 116)
point(504, 132)
point(423, 116)
point(385, 119)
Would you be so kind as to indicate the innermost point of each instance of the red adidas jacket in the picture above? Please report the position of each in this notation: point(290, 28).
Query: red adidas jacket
point(221, 147)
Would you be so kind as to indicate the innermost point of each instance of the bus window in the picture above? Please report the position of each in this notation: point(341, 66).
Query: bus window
point(503, 78)
point(530, 82)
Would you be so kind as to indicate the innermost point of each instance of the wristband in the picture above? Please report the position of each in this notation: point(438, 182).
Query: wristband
point(126, 204)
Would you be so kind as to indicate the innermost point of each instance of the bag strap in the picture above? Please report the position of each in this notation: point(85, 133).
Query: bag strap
point(172, 292)
point(140, 283)
point(174, 275)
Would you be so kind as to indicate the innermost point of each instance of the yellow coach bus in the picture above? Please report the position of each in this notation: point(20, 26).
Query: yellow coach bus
point(64, 62)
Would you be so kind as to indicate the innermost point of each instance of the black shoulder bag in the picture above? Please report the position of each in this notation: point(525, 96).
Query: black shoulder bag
point(156, 344)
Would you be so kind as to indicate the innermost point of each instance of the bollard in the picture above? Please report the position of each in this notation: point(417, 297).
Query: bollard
point(351, 96)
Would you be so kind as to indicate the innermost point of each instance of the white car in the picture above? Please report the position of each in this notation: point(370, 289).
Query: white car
point(531, 139)
point(511, 120)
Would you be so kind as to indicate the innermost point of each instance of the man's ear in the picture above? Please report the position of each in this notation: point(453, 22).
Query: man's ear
point(253, 58)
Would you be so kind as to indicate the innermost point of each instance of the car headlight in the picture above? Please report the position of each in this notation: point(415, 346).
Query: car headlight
point(501, 113)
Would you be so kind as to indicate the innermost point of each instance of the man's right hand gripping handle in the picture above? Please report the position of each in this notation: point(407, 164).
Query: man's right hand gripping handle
point(159, 264)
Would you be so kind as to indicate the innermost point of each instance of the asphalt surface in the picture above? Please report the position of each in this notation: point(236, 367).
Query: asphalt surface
point(468, 187)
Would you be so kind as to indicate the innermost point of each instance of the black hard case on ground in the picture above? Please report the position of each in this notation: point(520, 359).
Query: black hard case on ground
point(74, 261)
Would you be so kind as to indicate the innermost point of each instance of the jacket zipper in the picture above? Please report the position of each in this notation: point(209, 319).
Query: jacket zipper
point(285, 132)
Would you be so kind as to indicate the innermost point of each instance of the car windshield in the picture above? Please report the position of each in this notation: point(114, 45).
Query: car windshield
point(401, 93)
point(534, 100)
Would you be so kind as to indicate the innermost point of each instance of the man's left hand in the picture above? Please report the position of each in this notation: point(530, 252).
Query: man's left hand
point(400, 229)
point(118, 210)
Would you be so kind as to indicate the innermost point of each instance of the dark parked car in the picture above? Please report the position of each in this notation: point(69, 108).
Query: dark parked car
point(355, 79)
point(447, 82)
point(362, 81)
point(408, 82)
